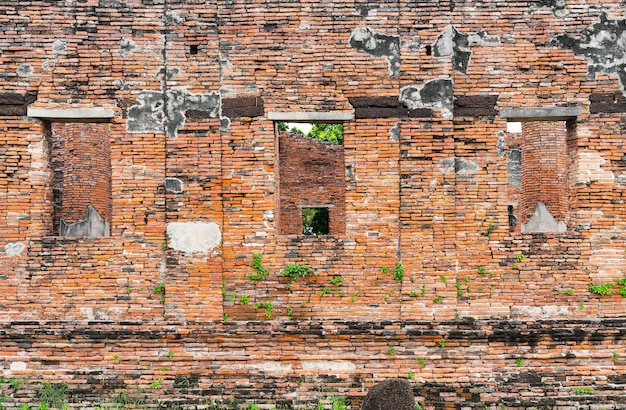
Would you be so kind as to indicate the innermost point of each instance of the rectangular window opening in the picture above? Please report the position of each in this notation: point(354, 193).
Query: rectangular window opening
point(311, 170)
point(80, 164)
point(315, 221)
point(539, 175)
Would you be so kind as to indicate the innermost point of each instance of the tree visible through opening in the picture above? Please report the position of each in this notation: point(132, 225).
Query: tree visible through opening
point(315, 221)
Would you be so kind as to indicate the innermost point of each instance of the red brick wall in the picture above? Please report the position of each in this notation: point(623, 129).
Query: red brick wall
point(426, 189)
point(312, 173)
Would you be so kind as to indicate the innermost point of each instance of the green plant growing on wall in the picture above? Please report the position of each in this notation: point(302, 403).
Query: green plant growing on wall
point(583, 390)
point(581, 305)
point(384, 269)
point(421, 362)
point(268, 306)
point(438, 299)
point(392, 351)
point(490, 228)
point(398, 272)
point(442, 343)
point(601, 289)
point(615, 357)
point(520, 257)
point(443, 278)
point(244, 299)
point(354, 295)
point(519, 362)
point(410, 375)
point(260, 271)
point(53, 394)
point(296, 272)
point(481, 270)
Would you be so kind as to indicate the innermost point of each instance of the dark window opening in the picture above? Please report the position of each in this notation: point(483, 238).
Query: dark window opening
point(315, 221)
point(193, 49)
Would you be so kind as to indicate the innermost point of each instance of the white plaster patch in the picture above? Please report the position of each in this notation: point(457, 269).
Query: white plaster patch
point(24, 70)
point(328, 365)
point(193, 237)
point(14, 248)
point(273, 367)
point(541, 312)
point(590, 169)
point(15, 366)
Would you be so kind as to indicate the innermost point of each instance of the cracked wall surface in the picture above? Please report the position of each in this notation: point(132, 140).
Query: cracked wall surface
point(436, 246)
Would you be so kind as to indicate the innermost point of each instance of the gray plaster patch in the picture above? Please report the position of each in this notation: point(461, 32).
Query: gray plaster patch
point(603, 45)
point(437, 93)
point(158, 111)
point(514, 168)
point(501, 146)
point(193, 237)
point(92, 226)
point(558, 7)
point(127, 46)
point(14, 248)
point(173, 185)
point(59, 46)
point(459, 165)
point(463, 166)
point(394, 132)
point(543, 221)
point(24, 70)
point(452, 43)
point(378, 45)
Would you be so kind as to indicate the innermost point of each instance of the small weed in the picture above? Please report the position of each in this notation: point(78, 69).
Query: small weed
point(441, 344)
point(244, 299)
point(156, 384)
point(129, 289)
point(324, 291)
point(337, 280)
point(520, 257)
point(583, 390)
point(338, 404)
point(295, 272)
point(15, 383)
point(421, 362)
point(53, 394)
point(569, 292)
point(581, 305)
point(413, 294)
point(438, 299)
point(392, 351)
point(601, 289)
point(481, 270)
point(170, 354)
point(443, 278)
point(519, 362)
point(398, 272)
point(410, 375)
point(24, 406)
point(260, 271)
point(164, 245)
point(116, 358)
point(354, 296)
point(384, 269)
point(615, 357)
point(490, 228)
point(159, 288)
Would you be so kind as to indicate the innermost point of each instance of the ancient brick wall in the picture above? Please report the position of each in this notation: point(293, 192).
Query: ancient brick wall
point(431, 277)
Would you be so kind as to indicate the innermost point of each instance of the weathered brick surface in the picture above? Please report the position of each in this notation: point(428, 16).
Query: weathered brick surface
point(429, 173)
